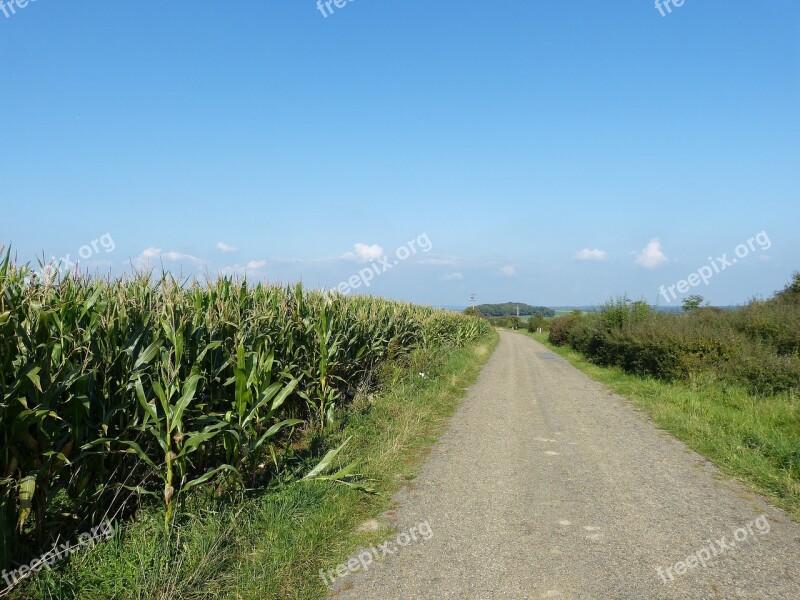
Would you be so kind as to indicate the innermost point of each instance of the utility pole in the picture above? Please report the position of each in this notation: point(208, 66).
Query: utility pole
point(472, 299)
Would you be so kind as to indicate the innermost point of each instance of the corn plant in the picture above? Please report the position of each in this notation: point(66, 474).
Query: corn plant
point(256, 400)
point(156, 386)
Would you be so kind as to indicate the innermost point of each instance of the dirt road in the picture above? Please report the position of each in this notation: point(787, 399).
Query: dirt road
point(546, 485)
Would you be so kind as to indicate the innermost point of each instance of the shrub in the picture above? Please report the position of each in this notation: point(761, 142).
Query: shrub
point(791, 293)
point(561, 327)
point(763, 372)
point(758, 345)
point(774, 323)
point(535, 322)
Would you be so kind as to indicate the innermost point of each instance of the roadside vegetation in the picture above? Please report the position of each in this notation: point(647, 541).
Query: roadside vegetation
point(756, 346)
point(192, 416)
point(727, 382)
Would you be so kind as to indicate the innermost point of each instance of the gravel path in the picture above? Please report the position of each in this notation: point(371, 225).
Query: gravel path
point(547, 485)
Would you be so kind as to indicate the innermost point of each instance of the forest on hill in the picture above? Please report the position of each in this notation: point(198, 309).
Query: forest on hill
point(510, 308)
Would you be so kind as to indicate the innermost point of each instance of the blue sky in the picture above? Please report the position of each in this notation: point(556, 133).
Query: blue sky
point(556, 153)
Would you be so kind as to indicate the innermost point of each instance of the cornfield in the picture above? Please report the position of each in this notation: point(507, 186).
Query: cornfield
point(150, 387)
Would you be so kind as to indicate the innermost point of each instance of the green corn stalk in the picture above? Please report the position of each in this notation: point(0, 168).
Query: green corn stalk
point(167, 426)
point(323, 373)
point(256, 400)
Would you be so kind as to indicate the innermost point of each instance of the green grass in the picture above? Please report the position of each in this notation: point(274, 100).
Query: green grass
point(272, 545)
point(754, 439)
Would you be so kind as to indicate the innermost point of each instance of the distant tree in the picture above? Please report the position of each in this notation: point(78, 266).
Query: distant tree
point(791, 293)
point(499, 321)
point(474, 312)
point(692, 302)
point(509, 309)
point(535, 322)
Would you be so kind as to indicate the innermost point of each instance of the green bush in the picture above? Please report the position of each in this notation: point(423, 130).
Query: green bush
point(561, 327)
point(757, 346)
point(510, 322)
point(763, 372)
point(791, 293)
point(535, 322)
point(774, 323)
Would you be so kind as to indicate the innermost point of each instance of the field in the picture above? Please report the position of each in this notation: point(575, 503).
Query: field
point(150, 398)
point(271, 543)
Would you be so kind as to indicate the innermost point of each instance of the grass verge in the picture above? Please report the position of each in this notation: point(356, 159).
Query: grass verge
point(273, 544)
point(755, 439)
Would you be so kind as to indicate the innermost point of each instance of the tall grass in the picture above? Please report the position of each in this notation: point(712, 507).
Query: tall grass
point(756, 346)
point(113, 390)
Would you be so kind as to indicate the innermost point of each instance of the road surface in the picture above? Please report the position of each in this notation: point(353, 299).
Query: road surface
point(547, 485)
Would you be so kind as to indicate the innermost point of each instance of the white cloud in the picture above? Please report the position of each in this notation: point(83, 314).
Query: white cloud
point(364, 253)
point(180, 257)
point(223, 247)
point(232, 270)
point(238, 269)
point(590, 254)
point(156, 255)
point(508, 271)
point(652, 256)
point(437, 261)
point(143, 260)
point(452, 276)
